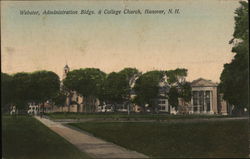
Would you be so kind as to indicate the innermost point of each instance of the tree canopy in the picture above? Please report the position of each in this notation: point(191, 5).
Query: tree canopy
point(147, 87)
point(176, 76)
point(116, 88)
point(173, 95)
point(21, 88)
point(87, 82)
point(44, 85)
point(129, 73)
point(6, 89)
point(235, 76)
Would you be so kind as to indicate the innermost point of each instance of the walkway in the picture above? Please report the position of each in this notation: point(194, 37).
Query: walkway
point(89, 144)
point(148, 120)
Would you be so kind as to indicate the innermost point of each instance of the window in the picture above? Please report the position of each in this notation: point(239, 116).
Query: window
point(195, 98)
point(201, 100)
point(195, 108)
point(162, 108)
point(161, 102)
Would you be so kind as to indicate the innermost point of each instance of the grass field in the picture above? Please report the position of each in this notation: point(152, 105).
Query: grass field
point(173, 140)
point(125, 116)
point(23, 137)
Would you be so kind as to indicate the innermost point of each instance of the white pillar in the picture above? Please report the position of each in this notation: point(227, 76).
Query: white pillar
point(199, 104)
point(211, 102)
point(204, 102)
point(192, 105)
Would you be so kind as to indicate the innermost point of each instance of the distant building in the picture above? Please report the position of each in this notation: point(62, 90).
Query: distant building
point(74, 101)
point(204, 97)
point(162, 100)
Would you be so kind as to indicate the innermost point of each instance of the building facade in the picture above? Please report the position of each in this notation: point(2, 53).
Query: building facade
point(204, 97)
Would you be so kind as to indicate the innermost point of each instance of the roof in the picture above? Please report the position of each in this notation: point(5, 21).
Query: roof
point(66, 66)
point(203, 83)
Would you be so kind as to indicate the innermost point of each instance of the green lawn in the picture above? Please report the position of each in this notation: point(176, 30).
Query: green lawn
point(172, 140)
point(125, 116)
point(23, 137)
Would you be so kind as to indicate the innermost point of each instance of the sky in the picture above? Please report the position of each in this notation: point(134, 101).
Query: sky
point(196, 39)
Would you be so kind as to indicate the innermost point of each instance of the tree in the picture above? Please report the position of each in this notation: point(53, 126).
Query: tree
point(181, 91)
point(60, 99)
point(185, 91)
point(116, 88)
point(87, 82)
point(6, 89)
point(44, 86)
point(179, 87)
point(131, 76)
point(130, 73)
point(173, 95)
point(176, 76)
point(21, 89)
point(235, 75)
point(147, 88)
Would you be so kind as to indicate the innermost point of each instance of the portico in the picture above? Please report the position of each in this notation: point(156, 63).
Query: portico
point(204, 97)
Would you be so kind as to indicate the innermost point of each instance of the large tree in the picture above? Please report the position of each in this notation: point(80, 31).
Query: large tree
point(147, 88)
point(87, 82)
point(177, 76)
point(115, 88)
point(6, 89)
point(44, 86)
point(21, 89)
point(173, 96)
point(185, 91)
point(132, 74)
point(118, 86)
point(179, 87)
point(235, 76)
point(60, 99)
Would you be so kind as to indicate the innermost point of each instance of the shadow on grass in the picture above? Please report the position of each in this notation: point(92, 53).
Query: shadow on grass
point(176, 140)
point(25, 137)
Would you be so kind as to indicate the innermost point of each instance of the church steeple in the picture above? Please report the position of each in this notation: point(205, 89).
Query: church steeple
point(65, 71)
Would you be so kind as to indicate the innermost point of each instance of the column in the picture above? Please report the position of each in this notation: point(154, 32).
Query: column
point(192, 105)
point(204, 103)
point(199, 104)
point(211, 102)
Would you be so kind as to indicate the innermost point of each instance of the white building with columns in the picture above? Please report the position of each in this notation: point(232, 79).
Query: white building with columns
point(204, 97)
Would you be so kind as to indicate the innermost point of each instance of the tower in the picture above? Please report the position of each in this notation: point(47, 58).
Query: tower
point(65, 71)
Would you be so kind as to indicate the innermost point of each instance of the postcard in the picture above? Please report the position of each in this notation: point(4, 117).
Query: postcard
point(125, 79)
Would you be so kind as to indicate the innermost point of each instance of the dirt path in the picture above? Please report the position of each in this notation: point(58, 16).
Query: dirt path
point(91, 145)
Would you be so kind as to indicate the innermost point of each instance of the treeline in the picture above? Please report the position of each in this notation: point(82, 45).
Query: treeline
point(92, 83)
point(21, 88)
